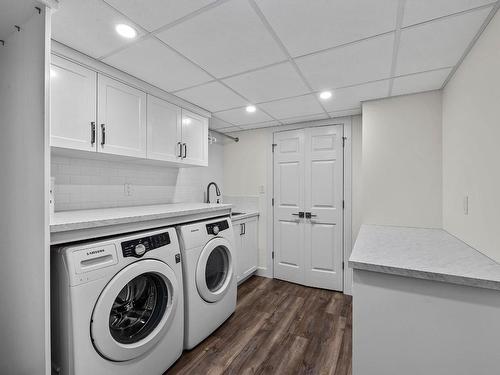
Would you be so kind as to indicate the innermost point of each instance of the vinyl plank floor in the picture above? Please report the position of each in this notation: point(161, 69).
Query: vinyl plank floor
point(277, 328)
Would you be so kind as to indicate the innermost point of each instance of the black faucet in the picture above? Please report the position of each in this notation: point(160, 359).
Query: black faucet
point(217, 192)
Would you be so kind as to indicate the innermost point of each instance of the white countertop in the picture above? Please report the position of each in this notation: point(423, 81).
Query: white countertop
point(245, 215)
point(84, 219)
point(431, 254)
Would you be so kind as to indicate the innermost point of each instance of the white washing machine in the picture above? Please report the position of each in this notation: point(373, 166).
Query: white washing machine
point(208, 262)
point(118, 305)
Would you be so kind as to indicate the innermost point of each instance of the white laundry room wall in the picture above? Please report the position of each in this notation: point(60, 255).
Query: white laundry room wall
point(402, 161)
point(24, 198)
point(471, 151)
point(84, 183)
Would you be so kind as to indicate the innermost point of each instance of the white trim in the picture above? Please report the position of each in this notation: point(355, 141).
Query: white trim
point(68, 53)
point(347, 248)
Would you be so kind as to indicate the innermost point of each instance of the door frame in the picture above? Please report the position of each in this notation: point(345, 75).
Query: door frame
point(346, 122)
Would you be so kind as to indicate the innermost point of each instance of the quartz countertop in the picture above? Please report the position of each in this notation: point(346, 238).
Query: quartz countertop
point(84, 219)
point(431, 254)
point(246, 215)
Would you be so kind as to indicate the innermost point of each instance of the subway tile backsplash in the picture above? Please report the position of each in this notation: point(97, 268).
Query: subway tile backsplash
point(87, 183)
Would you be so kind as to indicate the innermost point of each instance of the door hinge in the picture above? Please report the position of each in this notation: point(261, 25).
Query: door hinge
point(272, 255)
point(273, 146)
point(343, 141)
point(272, 201)
point(343, 265)
point(343, 204)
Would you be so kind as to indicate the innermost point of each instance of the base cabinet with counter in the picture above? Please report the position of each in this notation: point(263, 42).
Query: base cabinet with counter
point(246, 246)
point(423, 303)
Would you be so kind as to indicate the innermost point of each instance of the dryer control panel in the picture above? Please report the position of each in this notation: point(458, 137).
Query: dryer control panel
point(215, 228)
point(140, 246)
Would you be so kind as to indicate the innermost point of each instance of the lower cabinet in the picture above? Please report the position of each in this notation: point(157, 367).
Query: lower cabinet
point(246, 245)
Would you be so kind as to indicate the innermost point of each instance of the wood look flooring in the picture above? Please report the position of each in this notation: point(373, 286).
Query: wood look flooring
point(278, 328)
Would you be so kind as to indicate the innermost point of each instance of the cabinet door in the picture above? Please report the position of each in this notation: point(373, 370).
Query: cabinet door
point(194, 138)
point(238, 248)
point(249, 247)
point(121, 118)
point(164, 130)
point(72, 105)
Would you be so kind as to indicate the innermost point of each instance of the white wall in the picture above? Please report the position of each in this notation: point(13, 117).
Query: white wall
point(402, 161)
point(471, 146)
point(357, 191)
point(246, 177)
point(83, 183)
point(24, 237)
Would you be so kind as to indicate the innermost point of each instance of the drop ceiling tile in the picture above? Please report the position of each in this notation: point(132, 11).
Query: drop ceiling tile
point(271, 83)
point(241, 117)
point(260, 125)
point(351, 97)
point(420, 82)
point(225, 40)
point(151, 14)
point(360, 62)
point(216, 124)
point(212, 96)
point(417, 11)
point(230, 129)
point(308, 26)
point(347, 112)
point(153, 62)
point(437, 44)
point(89, 27)
point(298, 106)
point(297, 119)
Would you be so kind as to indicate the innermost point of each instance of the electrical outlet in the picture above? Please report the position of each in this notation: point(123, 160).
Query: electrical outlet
point(128, 190)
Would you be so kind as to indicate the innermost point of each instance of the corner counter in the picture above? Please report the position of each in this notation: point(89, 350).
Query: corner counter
point(424, 302)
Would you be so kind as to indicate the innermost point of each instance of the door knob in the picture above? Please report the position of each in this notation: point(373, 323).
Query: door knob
point(299, 214)
point(309, 215)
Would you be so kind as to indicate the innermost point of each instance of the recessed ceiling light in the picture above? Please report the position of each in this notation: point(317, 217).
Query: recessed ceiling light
point(325, 95)
point(126, 31)
point(251, 109)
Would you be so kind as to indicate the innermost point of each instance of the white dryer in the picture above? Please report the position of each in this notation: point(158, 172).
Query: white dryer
point(208, 262)
point(118, 305)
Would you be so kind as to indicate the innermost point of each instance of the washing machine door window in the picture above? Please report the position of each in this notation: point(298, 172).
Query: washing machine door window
point(214, 271)
point(134, 310)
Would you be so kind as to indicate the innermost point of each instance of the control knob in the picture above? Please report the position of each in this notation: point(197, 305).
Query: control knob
point(140, 249)
point(215, 229)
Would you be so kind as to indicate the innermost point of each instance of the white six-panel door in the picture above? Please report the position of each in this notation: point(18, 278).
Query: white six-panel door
point(121, 118)
point(288, 202)
point(308, 179)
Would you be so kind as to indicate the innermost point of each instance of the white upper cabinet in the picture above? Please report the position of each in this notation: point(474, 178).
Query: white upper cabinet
point(72, 105)
point(121, 118)
point(164, 130)
point(91, 111)
point(194, 138)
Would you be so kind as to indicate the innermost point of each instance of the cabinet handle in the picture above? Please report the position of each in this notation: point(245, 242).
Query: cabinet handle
point(103, 134)
point(242, 229)
point(180, 149)
point(92, 133)
point(185, 150)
